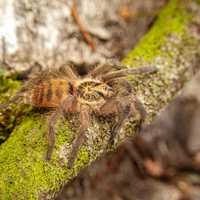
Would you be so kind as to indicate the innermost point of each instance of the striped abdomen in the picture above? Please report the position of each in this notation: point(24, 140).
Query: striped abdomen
point(49, 93)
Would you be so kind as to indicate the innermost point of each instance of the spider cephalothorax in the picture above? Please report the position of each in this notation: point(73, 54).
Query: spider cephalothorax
point(97, 92)
point(92, 92)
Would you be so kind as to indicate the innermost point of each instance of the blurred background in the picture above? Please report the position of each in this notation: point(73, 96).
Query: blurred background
point(84, 32)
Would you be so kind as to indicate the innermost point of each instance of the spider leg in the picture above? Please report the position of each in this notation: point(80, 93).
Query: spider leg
point(125, 72)
point(100, 69)
point(68, 71)
point(64, 107)
point(120, 110)
point(34, 69)
point(20, 95)
point(122, 115)
point(124, 112)
point(104, 68)
point(84, 124)
point(51, 134)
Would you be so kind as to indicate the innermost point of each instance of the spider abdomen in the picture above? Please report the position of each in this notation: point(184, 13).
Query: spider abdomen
point(49, 93)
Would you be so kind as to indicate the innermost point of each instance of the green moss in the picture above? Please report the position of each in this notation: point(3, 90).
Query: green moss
point(167, 23)
point(82, 159)
point(9, 117)
point(24, 160)
point(25, 169)
point(8, 87)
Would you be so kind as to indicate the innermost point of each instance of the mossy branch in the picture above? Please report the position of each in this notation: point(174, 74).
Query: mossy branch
point(24, 172)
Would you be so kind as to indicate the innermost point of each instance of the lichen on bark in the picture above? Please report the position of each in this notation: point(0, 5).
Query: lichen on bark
point(25, 174)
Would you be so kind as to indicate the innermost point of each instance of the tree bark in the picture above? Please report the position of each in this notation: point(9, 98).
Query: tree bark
point(170, 45)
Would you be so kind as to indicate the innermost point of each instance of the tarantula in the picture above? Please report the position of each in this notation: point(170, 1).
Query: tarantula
point(102, 91)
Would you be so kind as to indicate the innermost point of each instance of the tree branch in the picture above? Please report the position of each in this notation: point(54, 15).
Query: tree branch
point(170, 46)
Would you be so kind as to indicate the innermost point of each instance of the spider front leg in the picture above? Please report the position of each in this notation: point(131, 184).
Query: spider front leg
point(122, 109)
point(123, 112)
point(115, 107)
point(104, 68)
point(65, 106)
point(84, 124)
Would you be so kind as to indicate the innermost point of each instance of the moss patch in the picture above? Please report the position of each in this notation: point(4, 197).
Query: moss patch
point(8, 117)
point(24, 168)
point(172, 19)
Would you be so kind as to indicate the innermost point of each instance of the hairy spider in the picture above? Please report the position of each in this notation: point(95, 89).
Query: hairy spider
point(102, 91)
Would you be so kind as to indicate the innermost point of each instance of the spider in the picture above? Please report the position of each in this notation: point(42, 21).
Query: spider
point(103, 91)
